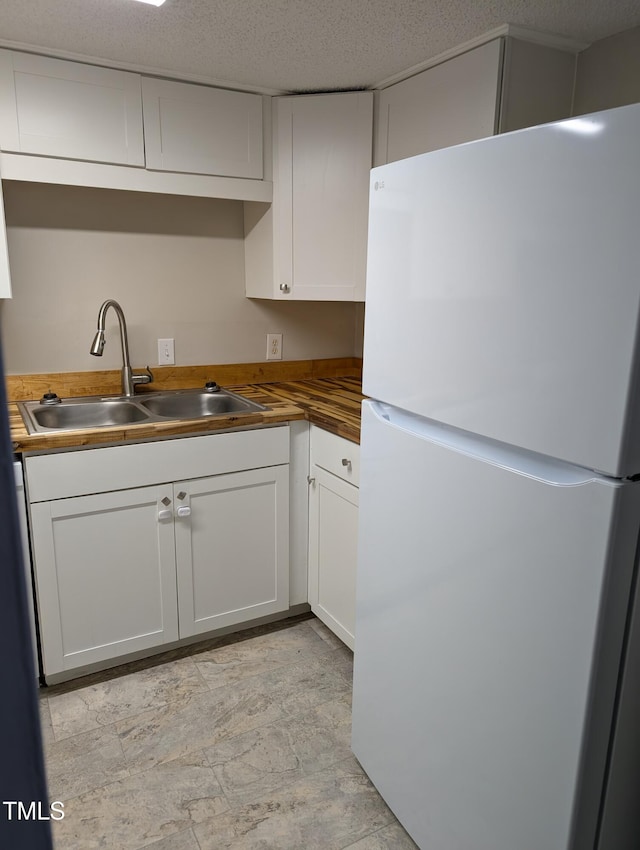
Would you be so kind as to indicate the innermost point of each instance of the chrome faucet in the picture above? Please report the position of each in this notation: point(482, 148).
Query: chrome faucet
point(129, 380)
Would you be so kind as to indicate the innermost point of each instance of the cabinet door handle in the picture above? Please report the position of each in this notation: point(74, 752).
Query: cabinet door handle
point(284, 287)
point(346, 461)
point(310, 480)
point(184, 510)
point(165, 513)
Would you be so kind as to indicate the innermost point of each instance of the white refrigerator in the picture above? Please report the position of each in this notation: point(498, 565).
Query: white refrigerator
point(497, 656)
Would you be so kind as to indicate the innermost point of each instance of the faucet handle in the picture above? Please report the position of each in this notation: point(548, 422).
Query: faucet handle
point(143, 379)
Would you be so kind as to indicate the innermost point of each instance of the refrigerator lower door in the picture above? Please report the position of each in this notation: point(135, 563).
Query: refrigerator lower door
point(492, 596)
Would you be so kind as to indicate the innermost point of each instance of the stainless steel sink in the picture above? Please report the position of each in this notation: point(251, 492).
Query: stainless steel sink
point(193, 405)
point(74, 414)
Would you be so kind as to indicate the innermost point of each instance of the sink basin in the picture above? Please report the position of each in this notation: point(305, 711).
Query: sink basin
point(71, 414)
point(193, 405)
point(74, 414)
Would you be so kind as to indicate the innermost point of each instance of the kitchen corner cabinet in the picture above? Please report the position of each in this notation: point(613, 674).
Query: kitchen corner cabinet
point(122, 568)
point(311, 243)
point(333, 531)
point(202, 130)
point(505, 84)
point(56, 108)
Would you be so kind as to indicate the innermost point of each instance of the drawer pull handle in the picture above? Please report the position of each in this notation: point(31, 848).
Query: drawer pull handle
point(346, 461)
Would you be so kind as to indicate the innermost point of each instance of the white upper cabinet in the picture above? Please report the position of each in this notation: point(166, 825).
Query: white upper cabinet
point(448, 104)
point(82, 125)
point(66, 109)
point(311, 244)
point(537, 84)
point(503, 85)
point(202, 130)
point(5, 275)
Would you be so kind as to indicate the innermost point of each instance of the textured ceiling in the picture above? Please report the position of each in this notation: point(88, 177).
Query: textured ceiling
point(292, 45)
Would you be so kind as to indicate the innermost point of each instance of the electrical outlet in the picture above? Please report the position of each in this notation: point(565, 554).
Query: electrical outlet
point(274, 346)
point(166, 352)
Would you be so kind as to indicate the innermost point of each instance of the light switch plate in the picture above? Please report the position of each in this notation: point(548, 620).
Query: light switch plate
point(166, 352)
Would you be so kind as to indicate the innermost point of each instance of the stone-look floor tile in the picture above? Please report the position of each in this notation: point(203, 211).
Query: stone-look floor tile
point(180, 841)
point(84, 762)
point(304, 686)
point(257, 655)
point(249, 765)
point(106, 702)
point(391, 837)
point(195, 722)
point(46, 728)
point(202, 720)
point(325, 633)
point(136, 811)
point(326, 811)
point(344, 663)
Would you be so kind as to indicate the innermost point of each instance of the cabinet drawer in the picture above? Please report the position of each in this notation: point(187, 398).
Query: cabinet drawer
point(335, 454)
point(75, 473)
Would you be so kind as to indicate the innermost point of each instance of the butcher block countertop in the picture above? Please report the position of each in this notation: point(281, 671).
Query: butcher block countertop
point(320, 396)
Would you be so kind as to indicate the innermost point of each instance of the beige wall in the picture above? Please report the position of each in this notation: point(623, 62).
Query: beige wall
point(176, 265)
point(608, 73)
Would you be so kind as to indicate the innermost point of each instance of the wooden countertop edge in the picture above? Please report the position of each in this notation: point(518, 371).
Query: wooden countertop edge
point(284, 405)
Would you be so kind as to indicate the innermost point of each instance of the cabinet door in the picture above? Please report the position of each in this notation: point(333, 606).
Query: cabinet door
point(451, 103)
point(105, 575)
point(66, 109)
point(232, 548)
point(333, 543)
point(321, 182)
point(202, 130)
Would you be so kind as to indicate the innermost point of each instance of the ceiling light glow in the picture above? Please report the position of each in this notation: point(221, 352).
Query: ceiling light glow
point(152, 2)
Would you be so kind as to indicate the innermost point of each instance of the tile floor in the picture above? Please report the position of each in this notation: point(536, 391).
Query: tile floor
point(240, 743)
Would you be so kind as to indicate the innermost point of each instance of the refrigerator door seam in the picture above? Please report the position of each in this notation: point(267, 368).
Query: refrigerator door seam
point(521, 461)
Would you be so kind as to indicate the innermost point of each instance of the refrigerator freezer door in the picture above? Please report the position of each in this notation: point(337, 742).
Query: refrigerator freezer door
point(484, 679)
point(503, 291)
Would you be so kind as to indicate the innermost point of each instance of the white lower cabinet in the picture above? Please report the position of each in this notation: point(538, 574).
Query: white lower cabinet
point(127, 570)
point(333, 532)
point(229, 548)
point(106, 576)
